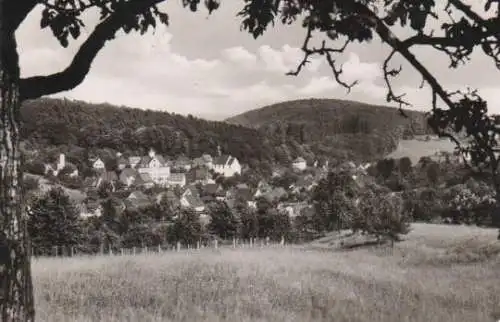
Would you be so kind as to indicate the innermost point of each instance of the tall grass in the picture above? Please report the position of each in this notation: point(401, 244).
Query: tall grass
point(272, 285)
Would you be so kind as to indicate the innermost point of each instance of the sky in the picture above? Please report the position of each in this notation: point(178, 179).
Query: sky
point(205, 66)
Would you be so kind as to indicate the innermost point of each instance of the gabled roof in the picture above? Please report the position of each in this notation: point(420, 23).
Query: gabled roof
point(127, 173)
point(276, 193)
point(194, 201)
point(145, 160)
point(222, 160)
point(108, 176)
point(137, 195)
point(299, 159)
point(207, 157)
point(134, 160)
point(210, 188)
point(241, 186)
point(122, 160)
point(145, 177)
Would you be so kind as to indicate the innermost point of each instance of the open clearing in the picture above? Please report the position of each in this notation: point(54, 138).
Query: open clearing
point(417, 148)
point(439, 273)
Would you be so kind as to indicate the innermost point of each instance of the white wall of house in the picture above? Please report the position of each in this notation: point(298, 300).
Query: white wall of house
point(158, 173)
point(228, 170)
point(98, 164)
point(299, 165)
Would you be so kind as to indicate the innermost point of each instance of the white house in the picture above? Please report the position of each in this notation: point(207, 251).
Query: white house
point(98, 164)
point(227, 165)
point(177, 179)
point(299, 164)
point(156, 167)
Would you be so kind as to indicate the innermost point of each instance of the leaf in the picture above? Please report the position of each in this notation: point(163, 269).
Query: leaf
point(75, 31)
point(45, 21)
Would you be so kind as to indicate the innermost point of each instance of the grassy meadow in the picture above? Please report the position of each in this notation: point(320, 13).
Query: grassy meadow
point(438, 274)
point(417, 148)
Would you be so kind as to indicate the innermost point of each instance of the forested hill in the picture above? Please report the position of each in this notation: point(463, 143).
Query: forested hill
point(301, 128)
point(76, 124)
point(336, 127)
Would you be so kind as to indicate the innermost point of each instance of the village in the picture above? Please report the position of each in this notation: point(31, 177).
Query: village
point(150, 179)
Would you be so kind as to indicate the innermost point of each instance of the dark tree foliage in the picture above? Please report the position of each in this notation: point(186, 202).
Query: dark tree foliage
point(333, 199)
point(386, 167)
point(54, 221)
point(271, 222)
point(405, 166)
point(187, 228)
point(223, 222)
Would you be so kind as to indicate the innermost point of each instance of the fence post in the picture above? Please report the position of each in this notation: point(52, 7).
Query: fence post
point(121, 250)
point(110, 251)
point(145, 250)
point(133, 250)
point(198, 245)
point(159, 248)
point(71, 251)
point(251, 242)
point(267, 241)
point(234, 242)
point(282, 241)
point(178, 246)
point(216, 243)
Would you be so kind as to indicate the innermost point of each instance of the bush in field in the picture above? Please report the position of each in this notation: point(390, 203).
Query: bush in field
point(382, 215)
point(469, 204)
point(186, 229)
point(223, 221)
point(54, 221)
point(425, 205)
point(333, 200)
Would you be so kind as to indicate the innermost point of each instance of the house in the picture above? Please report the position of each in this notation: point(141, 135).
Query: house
point(182, 163)
point(242, 193)
point(292, 209)
point(122, 162)
point(155, 166)
point(107, 176)
point(56, 167)
point(144, 180)
point(262, 188)
point(207, 161)
point(275, 194)
point(90, 210)
point(192, 200)
point(303, 184)
point(227, 165)
point(128, 176)
point(137, 199)
point(134, 161)
point(177, 179)
point(299, 164)
point(98, 164)
point(198, 175)
point(168, 196)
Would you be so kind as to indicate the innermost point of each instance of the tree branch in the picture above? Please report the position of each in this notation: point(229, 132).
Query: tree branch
point(15, 11)
point(75, 73)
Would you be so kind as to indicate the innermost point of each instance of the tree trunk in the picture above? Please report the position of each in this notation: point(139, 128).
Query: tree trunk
point(16, 290)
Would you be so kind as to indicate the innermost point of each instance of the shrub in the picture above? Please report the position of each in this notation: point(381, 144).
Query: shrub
point(383, 216)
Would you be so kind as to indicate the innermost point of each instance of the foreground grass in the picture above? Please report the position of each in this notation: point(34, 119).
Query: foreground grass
point(438, 274)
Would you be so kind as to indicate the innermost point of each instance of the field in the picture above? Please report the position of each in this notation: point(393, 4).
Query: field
point(417, 148)
point(437, 274)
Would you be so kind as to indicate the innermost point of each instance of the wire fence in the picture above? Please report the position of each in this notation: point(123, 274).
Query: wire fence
point(75, 250)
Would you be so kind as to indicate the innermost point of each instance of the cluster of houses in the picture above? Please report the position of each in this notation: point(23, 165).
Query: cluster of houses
point(186, 182)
